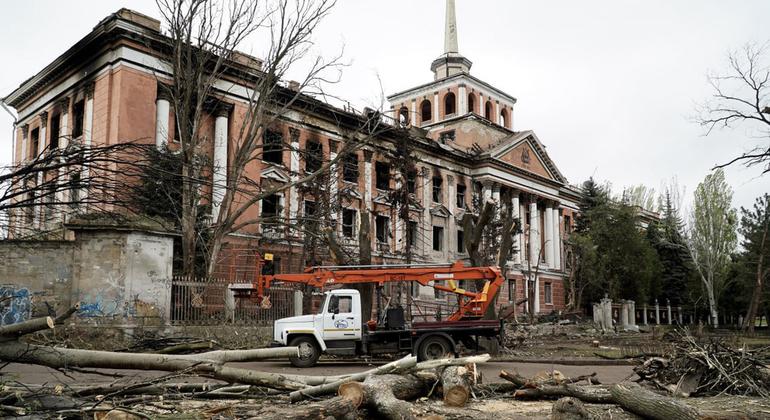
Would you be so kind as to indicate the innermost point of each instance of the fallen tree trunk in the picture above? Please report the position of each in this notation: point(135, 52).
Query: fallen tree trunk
point(331, 387)
point(62, 358)
point(596, 394)
point(14, 331)
point(456, 384)
point(651, 405)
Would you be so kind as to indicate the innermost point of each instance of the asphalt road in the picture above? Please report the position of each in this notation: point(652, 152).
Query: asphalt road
point(29, 374)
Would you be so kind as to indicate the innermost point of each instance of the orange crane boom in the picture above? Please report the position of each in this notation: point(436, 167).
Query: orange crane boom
point(444, 277)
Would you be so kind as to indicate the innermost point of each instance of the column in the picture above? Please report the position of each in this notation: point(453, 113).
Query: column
point(435, 107)
point(368, 181)
point(451, 224)
point(41, 144)
point(413, 114)
point(219, 176)
point(88, 123)
point(631, 313)
point(516, 210)
point(24, 141)
point(334, 174)
point(496, 117)
point(294, 169)
point(427, 224)
point(162, 108)
point(537, 295)
point(679, 313)
point(534, 233)
point(597, 314)
point(463, 100)
point(548, 227)
point(668, 307)
point(644, 315)
point(64, 135)
point(657, 312)
point(496, 193)
point(557, 245)
point(486, 192)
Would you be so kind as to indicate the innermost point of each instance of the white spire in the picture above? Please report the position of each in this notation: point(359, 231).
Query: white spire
point(450, 31)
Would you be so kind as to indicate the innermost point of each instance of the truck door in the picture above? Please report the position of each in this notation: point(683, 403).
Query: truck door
point(342, 317)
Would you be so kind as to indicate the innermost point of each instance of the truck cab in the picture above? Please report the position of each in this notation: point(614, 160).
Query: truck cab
point(335, 329)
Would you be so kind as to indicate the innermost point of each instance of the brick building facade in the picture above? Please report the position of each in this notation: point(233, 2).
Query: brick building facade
point(105, 90)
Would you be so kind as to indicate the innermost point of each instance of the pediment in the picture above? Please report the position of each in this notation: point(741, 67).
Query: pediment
point(440, 211)
point(275, 174)
point(525, 151)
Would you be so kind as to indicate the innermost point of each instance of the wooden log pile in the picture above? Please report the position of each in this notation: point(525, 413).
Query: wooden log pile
point(389, 391)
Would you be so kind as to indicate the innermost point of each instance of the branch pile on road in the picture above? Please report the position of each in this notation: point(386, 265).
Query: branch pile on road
point(205, 384)
point(707, 369)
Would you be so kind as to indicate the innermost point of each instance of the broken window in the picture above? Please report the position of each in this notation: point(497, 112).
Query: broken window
point(471, 102)
point(78, 115)
point(567, 224)
point(438, 238)
point(313, 156)
point(350, 168)
point(411, 181)
point(34, 143)
point(460, 241)
point(382, 173)
point(348, 223)
point(488, 111)
point(548, 294)
point(310, 211)
point(382, 227)
point(425, 111)
point(271, 206)
point(438, 183)
point(447, 136)
point(449, 104)
point(272, 150)
point(403, 116)
point(512, 290)
point(54, 132)
point(460, 196)
point(74, 190)
point(411, 234)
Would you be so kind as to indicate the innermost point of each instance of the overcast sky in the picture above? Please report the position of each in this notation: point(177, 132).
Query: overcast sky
point(608, 86)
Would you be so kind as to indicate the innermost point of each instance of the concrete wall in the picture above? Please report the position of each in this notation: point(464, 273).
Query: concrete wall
point(119, 277)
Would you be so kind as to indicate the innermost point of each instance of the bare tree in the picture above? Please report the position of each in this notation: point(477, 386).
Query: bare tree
point(741, 96)
point(38, 194)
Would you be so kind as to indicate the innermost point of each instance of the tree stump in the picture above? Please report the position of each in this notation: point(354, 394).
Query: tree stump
point(456, 382)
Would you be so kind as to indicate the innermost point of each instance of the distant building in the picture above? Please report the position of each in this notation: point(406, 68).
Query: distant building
point(105, 90)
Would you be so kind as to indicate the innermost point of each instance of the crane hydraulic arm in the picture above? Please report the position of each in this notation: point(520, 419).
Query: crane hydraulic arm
point(444, 277)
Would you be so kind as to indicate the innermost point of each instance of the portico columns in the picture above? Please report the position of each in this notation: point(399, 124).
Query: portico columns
point(40, 211)
point(548, 227)
point(496, 193)
point(486, 192)
point(556, 239)
point(294, 168)
point(162, 107)
point(515, 210)
point(534, 233)
point(333, 170)
point(219, 177)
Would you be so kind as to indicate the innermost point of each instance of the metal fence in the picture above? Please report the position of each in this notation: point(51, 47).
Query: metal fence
point(207, 301)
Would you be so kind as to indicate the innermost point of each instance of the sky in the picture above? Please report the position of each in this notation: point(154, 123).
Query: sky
point(610, 87)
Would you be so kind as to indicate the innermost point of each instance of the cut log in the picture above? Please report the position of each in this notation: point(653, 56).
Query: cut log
point(514, 378)
point(456, 383)
point(651, 405)
point(385, 394)
point(596, 394)
point(331, 387)
point(14, 331)
point(68, 313)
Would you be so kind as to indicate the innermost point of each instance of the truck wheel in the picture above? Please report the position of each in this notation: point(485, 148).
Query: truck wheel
point(434, 347)
point(308, 352)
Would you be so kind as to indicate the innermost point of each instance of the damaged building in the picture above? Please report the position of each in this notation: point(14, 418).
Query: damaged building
point(464, 143)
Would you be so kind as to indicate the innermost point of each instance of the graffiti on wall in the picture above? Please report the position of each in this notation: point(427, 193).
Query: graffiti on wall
point(15, 304)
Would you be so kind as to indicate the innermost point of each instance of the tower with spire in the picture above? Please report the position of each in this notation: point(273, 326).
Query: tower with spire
point(456, 107)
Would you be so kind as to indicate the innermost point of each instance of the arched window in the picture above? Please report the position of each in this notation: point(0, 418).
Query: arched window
point(450, 106)
point(504, 118)
point(403, 116)
point(488, 111)
point(425, 111)
point(471, 102)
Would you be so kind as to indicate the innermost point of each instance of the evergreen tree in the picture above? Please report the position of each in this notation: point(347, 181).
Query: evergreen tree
point(667, 238)
point(592, 195)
